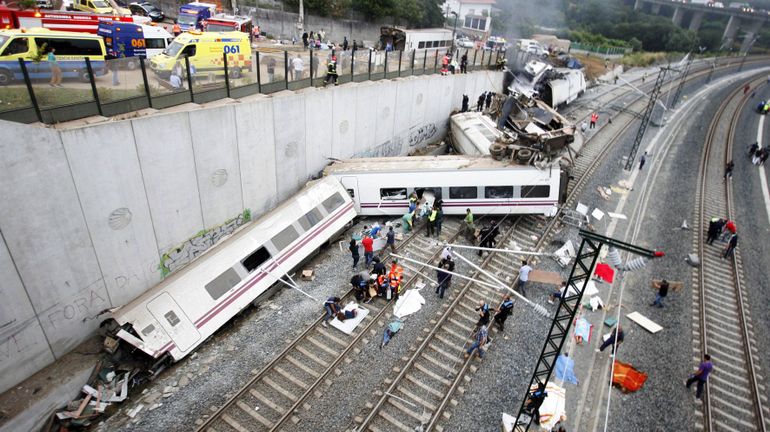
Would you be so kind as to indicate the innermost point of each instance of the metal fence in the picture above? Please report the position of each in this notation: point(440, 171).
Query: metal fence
point(600, 49)
point(118, 86)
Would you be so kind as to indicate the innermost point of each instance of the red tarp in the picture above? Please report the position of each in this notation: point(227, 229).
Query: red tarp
point(627, 378)
point(605, 272)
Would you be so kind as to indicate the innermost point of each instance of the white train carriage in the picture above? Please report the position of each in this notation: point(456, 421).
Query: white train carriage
point(381, 186)
point(177, 315)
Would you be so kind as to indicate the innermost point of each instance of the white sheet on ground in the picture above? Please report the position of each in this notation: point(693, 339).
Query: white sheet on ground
point(553, 408)
point(508, 422)
point(350, 324)
point(590, 289)
point(408, 303)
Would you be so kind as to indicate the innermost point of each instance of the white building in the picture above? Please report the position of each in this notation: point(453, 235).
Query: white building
point(473, 16)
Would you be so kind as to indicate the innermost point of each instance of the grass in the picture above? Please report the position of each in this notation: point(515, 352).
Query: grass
point(47, 97)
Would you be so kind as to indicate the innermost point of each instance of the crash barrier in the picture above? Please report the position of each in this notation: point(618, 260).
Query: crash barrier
point(607, 50)
point(119, 86)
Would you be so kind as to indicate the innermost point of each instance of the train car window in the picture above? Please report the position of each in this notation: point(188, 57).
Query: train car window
point(333, 202)
point(463, 192)
point(171, 318)
point(256, 259)
point(283, 239)
point(497, 192)
point(310, 219)
point(352, 193)
point(393, 194)
point(538, 191)
point(149, 329)
point(222, 283)
point(421, 45)
point(436, 191)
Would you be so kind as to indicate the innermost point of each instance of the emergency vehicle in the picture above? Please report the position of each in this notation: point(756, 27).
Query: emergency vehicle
point(193, 15)
point(205, 50)
point(133, 41)
point(71, 51)
point(224, 22)
point(58, 20)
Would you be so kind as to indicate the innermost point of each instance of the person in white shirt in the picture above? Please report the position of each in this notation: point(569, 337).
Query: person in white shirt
point(298, 66)
point(524, 271)
point(175, 81)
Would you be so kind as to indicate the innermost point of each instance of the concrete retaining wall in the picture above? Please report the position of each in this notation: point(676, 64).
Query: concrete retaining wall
point(94, 216)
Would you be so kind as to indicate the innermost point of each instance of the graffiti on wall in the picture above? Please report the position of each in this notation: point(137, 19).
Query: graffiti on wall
point(186, 252)
point(419, 135)
point(390, 147)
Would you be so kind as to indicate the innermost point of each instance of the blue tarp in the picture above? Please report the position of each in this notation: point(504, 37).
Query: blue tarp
point(565, 369)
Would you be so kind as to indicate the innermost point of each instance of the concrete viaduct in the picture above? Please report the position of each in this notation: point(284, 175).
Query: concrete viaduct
point(749, 22)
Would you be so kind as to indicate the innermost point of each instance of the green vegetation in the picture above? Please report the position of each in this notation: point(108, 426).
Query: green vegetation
point(417, 13)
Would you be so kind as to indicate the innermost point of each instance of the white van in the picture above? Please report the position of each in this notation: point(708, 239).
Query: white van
point(533, 47)
point(156, 39)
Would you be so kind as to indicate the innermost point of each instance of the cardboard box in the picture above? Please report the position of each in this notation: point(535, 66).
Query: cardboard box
point(308, 275)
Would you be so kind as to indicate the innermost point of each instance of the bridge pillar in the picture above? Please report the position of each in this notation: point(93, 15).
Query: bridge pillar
point(678, 16)
point(751, 33)
point(655, 8)
point(638, 4)
point(732, 28)
point(696, 20)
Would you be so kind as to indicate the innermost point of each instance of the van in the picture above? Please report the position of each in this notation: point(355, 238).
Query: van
point(72, 48)
point(93, 6)
point(133, 41)
point(205, 51)
point(532, 46)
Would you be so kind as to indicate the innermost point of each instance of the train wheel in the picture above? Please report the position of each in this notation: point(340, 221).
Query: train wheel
point(523, 155)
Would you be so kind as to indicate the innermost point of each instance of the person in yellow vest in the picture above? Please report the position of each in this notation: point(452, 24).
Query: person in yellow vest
point(432, 221)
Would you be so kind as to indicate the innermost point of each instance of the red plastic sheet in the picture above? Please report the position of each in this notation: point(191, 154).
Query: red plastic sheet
point(605, 272)
point(627, 378)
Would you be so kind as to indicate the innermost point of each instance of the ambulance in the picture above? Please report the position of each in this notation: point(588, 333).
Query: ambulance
point(205, 51)
point(72, 49)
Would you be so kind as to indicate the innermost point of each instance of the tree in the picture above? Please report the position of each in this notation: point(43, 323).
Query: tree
point(636, 44)
point(374, 9)
point(682, 41)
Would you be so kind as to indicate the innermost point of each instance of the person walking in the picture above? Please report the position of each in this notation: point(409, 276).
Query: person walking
point(505, 309)
point(662, 287)
point(344, 43)
point(480, 102)
point(442, 278)
point(53, 63)
point(729, 170)
point(485, 236)
point(618, 334)
point(379, 267)
point(594, 119)
point(479, 341)
point(464, 63)
point(304, 39)
point(176, 29)
point(331, 71)
point(524, 271)
point(753, 149)
point(391, 239)
point(731, 244)
point(431, 225)
point(484, 314)
point(465, 103)
point(470, 227)
point(332, 306)
point(270, 62)
point(642, 160)
point(298, 65)
point(353, 247)
point(701, 375)
point(488, 100)
point(368, 244)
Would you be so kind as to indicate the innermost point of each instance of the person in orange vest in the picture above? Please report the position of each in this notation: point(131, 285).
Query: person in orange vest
point(445, 64)
point(395, 275)
point(594, 119)
point(176, 29)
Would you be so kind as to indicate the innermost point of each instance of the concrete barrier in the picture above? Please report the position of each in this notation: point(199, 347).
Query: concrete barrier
point(94, 216)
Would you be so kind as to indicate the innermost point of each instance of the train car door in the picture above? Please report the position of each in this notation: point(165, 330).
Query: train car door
point(351, 185)
point(174, 321)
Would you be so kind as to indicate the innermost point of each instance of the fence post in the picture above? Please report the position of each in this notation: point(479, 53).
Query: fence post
point(189, 78)
point(435, 62)
point(352, 65)
point(227, 75)
point(370, 65)
point(386, 64)
point(475, 52)
point(311, 68)
point(146, 83)
point(30, 90)
point(482, 59)
point(424, 62)
point(286, 67)
point(93, 86)
point(259, 74)
point(400, 55)
point(414, 52)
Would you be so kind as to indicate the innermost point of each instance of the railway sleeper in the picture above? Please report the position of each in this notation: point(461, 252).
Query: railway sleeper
point(416, 381)
point(267, 402)
point(433, 375)
point(416, 399)
point(409, 410)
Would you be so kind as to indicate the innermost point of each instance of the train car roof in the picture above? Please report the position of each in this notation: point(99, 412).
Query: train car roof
point(421, 163)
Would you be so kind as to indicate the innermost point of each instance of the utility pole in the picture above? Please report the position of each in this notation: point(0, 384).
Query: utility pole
point(646, 117)
point(682, 80)
point(579, 277)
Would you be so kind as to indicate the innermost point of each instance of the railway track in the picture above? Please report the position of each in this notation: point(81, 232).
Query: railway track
point(735, 397)
point(294, 377)
point(425, 384)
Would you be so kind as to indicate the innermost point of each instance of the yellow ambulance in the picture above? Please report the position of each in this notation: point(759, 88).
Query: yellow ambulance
point(205, 51)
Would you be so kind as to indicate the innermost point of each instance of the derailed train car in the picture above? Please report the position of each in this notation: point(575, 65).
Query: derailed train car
point(173, 318)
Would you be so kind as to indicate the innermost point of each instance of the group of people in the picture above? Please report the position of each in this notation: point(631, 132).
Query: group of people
point(758, 154)
point(433, 215)
point(449, 64)
point(480, 333)
point(484, 102)
point(726, 230)
point(444, 273)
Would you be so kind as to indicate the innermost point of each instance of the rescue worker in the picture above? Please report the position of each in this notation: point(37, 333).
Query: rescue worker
point(408, 219)
point(176, 29)
point(331, 71)
point(432, 222)
point(445, 64)
point(505, 309)
point(395, 275)
point(470, 228)
point(413, 202)
point(383, 283)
